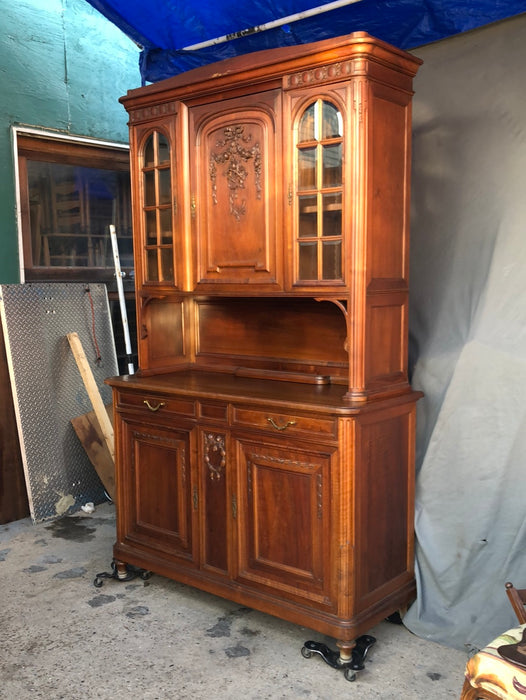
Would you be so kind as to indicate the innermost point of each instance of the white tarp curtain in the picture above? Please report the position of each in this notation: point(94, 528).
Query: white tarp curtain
point(468, 332)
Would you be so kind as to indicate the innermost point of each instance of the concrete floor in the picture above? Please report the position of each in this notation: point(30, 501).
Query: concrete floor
point(61, 637)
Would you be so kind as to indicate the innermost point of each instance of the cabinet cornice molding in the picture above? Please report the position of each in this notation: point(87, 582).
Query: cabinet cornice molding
point(144, 114)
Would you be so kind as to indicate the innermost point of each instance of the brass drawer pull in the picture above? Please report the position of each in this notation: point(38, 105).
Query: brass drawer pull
point(154, 408)
point(281, 427)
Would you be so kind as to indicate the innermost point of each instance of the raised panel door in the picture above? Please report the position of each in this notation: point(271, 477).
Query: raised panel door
point(283, 519)
point(155, 500)
point(235, 207)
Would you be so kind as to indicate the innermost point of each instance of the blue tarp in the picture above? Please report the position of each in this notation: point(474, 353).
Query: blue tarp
point(165, 28)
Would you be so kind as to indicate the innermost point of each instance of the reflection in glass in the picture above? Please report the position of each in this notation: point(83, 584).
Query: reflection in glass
point(308, 261)
point(149, 151)
point(151, 227)
point(308, 216)
point(165, 186)
point(149, 188)
point(151, 265)
point(332, 260)
point(332, 123)
point(307, 168)
point(71, 208)
point(332, 165)
point(332, 214)
point(167, 270)
point(307, 130)
point(165, 216)
point(164, 150)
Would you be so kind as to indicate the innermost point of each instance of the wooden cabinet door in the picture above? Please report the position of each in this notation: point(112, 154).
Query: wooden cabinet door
point(235, 191)
point(283, 519)
point(155, 489)
point(319, 187)
point(158, 185)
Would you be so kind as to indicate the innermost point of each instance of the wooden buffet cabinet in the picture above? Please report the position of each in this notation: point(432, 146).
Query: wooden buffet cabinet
point(265, 447)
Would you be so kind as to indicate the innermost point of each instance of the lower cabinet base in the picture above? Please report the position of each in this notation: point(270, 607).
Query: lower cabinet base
point(345, 631)
point(294, 505)
point(351, 653)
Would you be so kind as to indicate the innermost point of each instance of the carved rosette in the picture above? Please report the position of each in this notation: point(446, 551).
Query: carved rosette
point(214, 455)
point(235, 155)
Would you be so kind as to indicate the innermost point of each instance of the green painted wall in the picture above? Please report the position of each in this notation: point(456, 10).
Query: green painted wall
point(63, 66)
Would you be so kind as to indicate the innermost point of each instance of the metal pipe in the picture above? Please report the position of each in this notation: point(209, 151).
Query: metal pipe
point(273, 24)
point(122, 301)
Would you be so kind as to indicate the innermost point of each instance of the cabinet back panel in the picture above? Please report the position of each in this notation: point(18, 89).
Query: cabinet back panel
point(299, 331)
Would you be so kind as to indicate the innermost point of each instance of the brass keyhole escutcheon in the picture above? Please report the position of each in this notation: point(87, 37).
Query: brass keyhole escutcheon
point(154, 408)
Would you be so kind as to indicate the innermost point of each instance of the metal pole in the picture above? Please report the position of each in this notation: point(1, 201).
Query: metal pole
point(122, 302)
point(272, 25)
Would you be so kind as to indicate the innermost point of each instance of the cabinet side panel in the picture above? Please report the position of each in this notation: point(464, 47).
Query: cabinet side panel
point(384, 488)
point(386, 349)
point(389, 116)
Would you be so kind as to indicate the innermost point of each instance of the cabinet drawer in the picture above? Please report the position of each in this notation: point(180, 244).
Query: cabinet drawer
point(156, 404)
point(285, 423)
point(214, 412)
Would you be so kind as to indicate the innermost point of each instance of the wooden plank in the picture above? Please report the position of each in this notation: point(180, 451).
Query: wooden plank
point(89, 432)
point(93, 392)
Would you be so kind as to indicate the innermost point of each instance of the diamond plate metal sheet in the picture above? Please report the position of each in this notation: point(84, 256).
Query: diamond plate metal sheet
point(48, 389)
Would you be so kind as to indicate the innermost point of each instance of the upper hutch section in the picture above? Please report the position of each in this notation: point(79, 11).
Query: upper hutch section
point(263, 183)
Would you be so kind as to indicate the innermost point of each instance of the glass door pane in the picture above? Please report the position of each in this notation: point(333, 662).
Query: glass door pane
point(157, 209)
point(319, 193)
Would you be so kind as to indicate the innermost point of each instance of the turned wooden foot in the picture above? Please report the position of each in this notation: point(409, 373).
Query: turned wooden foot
point(121, 570)
point(346, 649)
